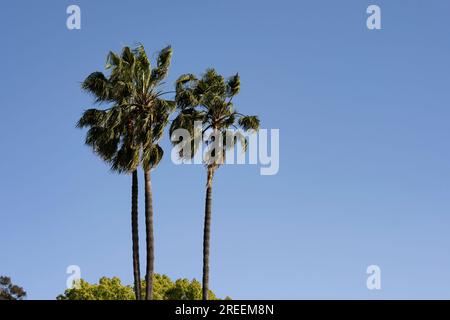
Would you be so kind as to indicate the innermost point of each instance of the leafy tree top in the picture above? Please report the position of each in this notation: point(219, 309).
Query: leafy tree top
point(113, 289)
point(10, 291)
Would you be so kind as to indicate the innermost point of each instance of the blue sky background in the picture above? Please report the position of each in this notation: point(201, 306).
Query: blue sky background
point(365, 162)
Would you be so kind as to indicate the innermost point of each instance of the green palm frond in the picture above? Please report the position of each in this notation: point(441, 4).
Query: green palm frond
point(163, 64)
point(233, 85)
point(128, 56)
point(165, 106)
point(97, 85)
point(142, 58)
point(186, 120)
point(125, 160)
point(113, 60)
point(184, 79)
point(91, 117)
point(212, 82)
point(152, 156)
point(249, 123)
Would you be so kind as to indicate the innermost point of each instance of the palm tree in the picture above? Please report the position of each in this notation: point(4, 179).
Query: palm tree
point(106, 135)
point(209, 101)
point(126, 135)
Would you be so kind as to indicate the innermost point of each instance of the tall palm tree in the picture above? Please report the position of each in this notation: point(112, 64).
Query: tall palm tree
point(126, 135)
point(208, 100)
point(107, 135)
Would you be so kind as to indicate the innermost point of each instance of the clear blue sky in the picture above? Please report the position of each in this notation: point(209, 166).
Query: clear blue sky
point(365, 159)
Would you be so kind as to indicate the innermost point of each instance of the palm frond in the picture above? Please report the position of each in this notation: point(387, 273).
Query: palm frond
point(91, 117)
point(97, 85)
point(163, 64)
point(152, 156)
point(249, 123)
point(233, 85)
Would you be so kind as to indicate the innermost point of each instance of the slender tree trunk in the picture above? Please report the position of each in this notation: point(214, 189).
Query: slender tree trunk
point(149, 235)
point(207, 234)
point(135, 235)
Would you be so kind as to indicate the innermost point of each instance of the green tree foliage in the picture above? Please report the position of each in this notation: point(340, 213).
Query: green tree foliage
point(113, 289)
point(10, 291)
point(183, 289)
point(106, 289)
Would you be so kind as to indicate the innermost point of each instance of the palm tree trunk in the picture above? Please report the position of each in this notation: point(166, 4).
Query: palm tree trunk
point(135, 235)
point(207, 234)
point(149, 235)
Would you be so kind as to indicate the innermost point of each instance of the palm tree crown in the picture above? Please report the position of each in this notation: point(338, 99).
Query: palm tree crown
point(127, 133)
point(209, 101)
